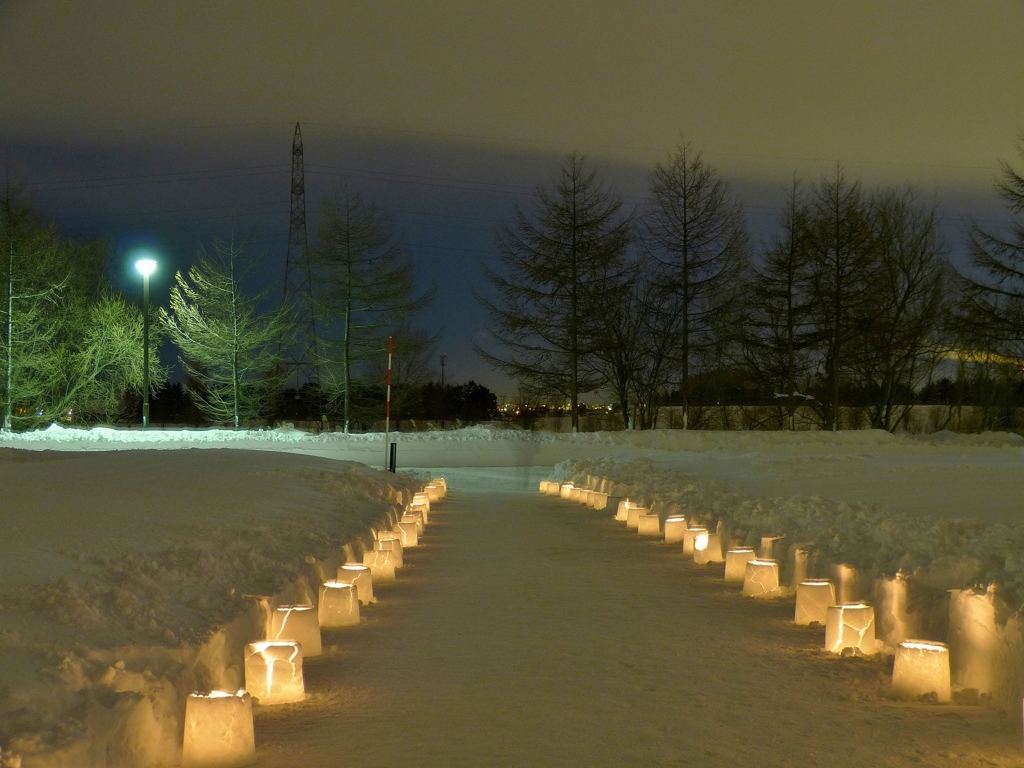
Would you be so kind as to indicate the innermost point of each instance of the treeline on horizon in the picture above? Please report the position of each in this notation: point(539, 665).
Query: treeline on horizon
point(852, 304)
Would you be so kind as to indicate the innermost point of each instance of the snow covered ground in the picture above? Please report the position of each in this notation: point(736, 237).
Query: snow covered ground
point(129, 549)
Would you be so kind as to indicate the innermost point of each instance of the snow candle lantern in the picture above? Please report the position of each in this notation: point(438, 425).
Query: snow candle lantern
point(921, 669)
point(633, 516)
point(218, 730)
point(361, 578)
point(382, 567)
point(414, 517)
point(339, 604)
point(622, 511)
point(544, 486)
point(273, 672)
point(649, 525)
point(813, 599)
point(850, 626)
point(420, 498)
point(761, 579)
point(688, 536)
point(565, 490)
point(599, 500)
point(707, 548)
point(587, 497)
point(974, 639)
point(298, 624)
point(554, 489)
point(675, 527)
point(433, 492)
point(394, 546)
point(409, 531)
point(736, 564)
point(419, 508)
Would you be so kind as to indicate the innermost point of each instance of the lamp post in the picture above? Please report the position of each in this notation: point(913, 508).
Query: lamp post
point(145, 267)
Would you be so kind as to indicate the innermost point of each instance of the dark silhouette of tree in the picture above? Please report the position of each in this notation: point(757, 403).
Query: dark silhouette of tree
point(560, 267)
point(695, 230)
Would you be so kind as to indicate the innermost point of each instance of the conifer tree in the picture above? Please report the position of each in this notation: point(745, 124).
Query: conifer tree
point(228, 347)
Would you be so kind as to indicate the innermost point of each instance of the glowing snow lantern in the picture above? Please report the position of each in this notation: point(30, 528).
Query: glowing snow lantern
point(298, 624)
point(736, 564)
point(381, 565)
point(767, 551)
point(974, 639)
point(433, 492)
point(565, 490)
point(649, 525)
point(813, 599)
point(599, 500)
point(218, 730)
point(622, 511)
point(414, 517)
point(675, 527)
point(273, 672)
point(688, 536)
point(544, 486)
point(850, 626)
point(441, 483)
point(921, 669)
point(339, 605)
point(421, 498)
point(707, 548)
point(419, 508)
point(845, 578)
point(633, 516)
point(394, 546)
point(761, 579)
point(409, 531)
point(360, 576)
point(554, 489)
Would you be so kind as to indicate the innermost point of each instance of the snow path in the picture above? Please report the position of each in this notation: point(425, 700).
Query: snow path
point(527, 631)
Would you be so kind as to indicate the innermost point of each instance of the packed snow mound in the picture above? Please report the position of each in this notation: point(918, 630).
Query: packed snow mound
point(132, 578)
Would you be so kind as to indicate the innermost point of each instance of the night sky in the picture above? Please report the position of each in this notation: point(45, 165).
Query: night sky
point(170, 123)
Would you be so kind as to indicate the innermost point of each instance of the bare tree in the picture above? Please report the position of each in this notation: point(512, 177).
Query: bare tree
point(840, 248)
point(559, 267)
point(991, 314)
point(365, 281)
point(898, 343)
point(778, 324)
point(695, 230)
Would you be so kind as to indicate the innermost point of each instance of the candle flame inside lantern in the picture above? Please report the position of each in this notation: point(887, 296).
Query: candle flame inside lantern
point(689, 536)
point(921, 669)
point(700, 541)
point(707, 548)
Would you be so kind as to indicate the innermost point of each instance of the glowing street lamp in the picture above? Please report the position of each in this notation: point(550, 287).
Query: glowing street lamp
point(146, 267)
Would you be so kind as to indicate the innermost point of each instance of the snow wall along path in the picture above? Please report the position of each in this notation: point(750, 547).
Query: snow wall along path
point(118, 600)
point(954, 581)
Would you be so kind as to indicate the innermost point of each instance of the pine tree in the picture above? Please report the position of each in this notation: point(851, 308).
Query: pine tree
point(365, 282)
point(228, 347)
point(559, 267)
point(694, 229)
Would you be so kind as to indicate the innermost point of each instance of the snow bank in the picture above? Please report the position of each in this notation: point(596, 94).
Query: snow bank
point(136, 577)
point(934, 556)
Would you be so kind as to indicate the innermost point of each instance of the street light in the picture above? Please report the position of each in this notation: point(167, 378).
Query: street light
point(145, 267)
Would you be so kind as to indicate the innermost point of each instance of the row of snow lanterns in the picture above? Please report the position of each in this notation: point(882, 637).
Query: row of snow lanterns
point(921, 667)
point(219, 730)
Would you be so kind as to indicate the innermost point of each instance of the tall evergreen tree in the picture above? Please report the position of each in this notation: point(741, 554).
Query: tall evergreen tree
point(695, 230)
point(228, 347)
point(365, 281)
point(559, 266)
